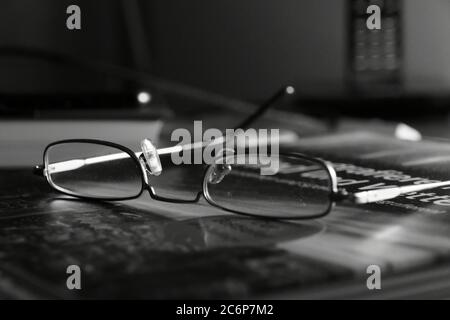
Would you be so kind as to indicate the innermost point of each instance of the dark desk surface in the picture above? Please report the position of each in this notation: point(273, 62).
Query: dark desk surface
point(125, 251)
point(143, 248)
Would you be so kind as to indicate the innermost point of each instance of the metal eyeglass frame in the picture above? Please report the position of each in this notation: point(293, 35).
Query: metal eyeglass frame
point(144, 170)
point(141, 163)
point(335, 195)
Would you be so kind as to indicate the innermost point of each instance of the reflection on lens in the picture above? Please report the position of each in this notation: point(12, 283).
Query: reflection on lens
point(93, 170)
point(299, 189)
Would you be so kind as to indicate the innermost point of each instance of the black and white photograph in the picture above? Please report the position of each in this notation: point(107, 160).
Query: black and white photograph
point(225, 155)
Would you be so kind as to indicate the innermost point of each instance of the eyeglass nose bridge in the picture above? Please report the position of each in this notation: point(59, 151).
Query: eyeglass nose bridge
point(151, 166)
point(145, 170)
point(150, 158)
point(218, 173)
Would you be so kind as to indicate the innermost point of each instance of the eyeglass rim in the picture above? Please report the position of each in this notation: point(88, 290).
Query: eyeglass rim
point(144, 186)
point(332, 196)
point(98, 142)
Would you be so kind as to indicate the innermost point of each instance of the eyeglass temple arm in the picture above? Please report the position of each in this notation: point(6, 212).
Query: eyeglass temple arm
point(372, 196)
point(68, 165)
point(280, 94)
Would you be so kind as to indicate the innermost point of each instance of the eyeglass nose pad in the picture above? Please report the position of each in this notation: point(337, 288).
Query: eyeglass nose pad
point(151, 157)
point(219, 172)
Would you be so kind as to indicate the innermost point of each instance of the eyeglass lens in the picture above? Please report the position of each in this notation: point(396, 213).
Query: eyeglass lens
point(300, 188)
point(93, 170)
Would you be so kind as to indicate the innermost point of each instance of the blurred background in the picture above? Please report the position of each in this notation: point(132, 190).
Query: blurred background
point(244, 50)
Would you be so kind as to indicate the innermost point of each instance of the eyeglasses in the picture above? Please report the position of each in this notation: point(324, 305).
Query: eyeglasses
point(101, 170)
point(303, 187)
